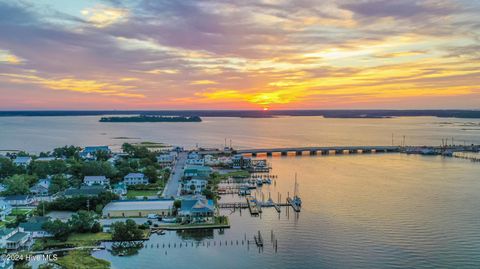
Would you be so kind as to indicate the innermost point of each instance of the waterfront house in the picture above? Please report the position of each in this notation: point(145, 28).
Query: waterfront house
point(196, 208)
point(14, 239)
point(41, 188)
point(2, 187)
point(135, 179)
point(241, 162)
point(194, 185)
point(87, 191)
point(19, 200)
point(90, 151)
point(96, 180)
point(138, 208)
point(197, 171)
point(34, 227)
point(22, 161)
point(5, 210)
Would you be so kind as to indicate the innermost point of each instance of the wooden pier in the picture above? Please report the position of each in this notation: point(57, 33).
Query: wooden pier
point(258, 239)
point(295, 207)
point(253, 206)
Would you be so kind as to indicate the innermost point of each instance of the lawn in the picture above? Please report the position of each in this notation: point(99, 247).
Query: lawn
point(20, 211)
point(132, 194)
point(81, 259)
point(75, 239)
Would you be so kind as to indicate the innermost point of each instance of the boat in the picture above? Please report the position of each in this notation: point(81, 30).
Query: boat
point(267, 181)
point(259, 182)
point(169, 220)
point(244, 191)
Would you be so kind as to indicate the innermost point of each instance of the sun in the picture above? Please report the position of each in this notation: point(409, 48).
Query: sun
point(265, 108)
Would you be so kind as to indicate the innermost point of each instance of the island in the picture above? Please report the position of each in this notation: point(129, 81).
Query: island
point(149, 118)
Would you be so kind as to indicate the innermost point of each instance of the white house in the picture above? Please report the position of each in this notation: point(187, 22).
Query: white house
point(14, 239)
point(22, 161)
point(19, 200)
point(167, 159)
point(5, 209)
point(196, 161)
point(135, 179)
point(96, 180)
point(193, 155)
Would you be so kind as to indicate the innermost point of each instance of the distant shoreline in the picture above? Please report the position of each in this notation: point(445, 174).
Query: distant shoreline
point(150, 118)
point(356, 114)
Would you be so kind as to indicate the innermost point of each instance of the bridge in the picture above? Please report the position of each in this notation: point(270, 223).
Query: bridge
point(298, 151)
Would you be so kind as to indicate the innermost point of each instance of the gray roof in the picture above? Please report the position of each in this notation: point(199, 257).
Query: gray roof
point(95, 178)
point(139, 205)
point(135, 175)
point(16, 197)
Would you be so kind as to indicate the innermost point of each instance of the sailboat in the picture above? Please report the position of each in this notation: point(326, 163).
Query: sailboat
point(296, 199)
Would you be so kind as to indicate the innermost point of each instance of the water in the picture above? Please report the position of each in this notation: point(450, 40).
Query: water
point(359, 211)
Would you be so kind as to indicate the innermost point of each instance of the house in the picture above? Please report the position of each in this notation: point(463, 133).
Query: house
point(90, 151)
point(120, 189)
point(19, 200)
point(196, 208)
point(22, 161)
point(5, 209)
point(41, 188)
point(241, 162)
point(2, 187)
point(138, 208)
point(135, 179)
point(34, 227)
point(194, 185)
point(197, 171)
point(96, 180)
point(167, 159)
point(14, 239)
point(196, 161)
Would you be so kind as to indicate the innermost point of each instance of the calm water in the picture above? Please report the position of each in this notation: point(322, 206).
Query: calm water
point(360, 211)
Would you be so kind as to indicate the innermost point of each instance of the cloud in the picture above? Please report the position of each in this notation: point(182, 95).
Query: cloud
point(103, 16)
point(8, 58)
point(73, 84)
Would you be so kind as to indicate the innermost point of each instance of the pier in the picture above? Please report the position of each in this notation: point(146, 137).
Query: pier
point(299, 151)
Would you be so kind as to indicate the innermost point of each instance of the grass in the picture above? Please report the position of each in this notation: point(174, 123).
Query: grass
point(132, 194)
point(81, 259)
point(20, 211)
point(74, 240)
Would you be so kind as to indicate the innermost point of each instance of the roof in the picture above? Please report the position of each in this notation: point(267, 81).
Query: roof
point(22, 159)
point(6, 231)
point(94, 178)
point(34, 224)
point(197, 205)
point(17, 237)
point(139, 205)
point(134, 175)
point(95, 148)
point(16, 197)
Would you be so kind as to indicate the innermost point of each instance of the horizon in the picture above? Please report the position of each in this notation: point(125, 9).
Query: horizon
point(226, 55)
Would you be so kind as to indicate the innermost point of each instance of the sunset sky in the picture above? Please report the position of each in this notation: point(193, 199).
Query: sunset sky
point(233, 54)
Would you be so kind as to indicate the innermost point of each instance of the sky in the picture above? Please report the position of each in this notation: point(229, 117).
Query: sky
point(230, 54)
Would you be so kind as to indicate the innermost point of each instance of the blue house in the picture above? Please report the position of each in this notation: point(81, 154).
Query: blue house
point(196, 209)
point(5, 209)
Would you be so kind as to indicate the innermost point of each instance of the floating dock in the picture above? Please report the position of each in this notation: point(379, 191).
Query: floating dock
point(253, 206)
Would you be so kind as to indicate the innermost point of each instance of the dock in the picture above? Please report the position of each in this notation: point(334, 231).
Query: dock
point(253, 206)
point(295, 207)
point(258, 239)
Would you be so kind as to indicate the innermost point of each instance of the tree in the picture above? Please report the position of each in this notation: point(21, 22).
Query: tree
point(151, 173)
point(17, 184)
point(126, 231)
point(177, 204)
point(7, 168)
point(102, 155)
point(57, 184)
point(60, 230)
point(83, 221)
point(67, 152)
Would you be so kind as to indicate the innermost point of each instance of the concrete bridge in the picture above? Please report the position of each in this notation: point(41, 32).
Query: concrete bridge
point(298, 151)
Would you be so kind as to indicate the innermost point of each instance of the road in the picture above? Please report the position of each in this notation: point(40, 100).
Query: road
point(173, 184)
